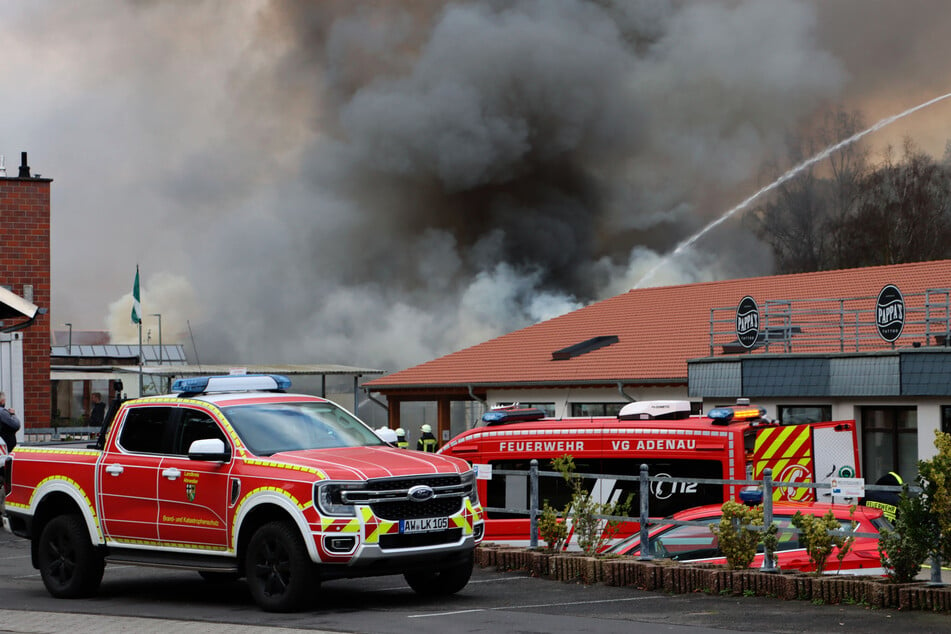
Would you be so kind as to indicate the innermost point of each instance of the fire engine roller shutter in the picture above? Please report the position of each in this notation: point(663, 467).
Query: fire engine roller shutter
point(836, 458)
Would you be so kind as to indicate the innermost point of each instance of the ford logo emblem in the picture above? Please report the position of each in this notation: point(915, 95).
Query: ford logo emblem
point(421, 493)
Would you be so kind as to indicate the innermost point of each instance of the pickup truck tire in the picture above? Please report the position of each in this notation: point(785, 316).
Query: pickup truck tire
point(440, 583)
point(71, 567)
point(279, 571)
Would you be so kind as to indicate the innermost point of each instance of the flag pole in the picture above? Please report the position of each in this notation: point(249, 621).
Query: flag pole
point(140, 357)
point(137, 319)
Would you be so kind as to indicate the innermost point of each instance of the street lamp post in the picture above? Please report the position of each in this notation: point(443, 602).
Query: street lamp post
point(159, 315)
point(69, 342)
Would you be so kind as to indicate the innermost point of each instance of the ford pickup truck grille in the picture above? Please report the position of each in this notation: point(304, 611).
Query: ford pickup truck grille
point(389, 497)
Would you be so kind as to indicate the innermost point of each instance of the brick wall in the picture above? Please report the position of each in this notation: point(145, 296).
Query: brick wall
point(25, 260)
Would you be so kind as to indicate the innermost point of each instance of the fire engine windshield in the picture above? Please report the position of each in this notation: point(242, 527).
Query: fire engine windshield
point(270, 428)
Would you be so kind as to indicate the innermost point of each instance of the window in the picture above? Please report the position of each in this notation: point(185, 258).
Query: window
point(946, 419)
point(146, 430)
point(889, 442)
point(596, 409)
point(548, 408)
point(196, 425)
point(269, 428)
point(801, 414)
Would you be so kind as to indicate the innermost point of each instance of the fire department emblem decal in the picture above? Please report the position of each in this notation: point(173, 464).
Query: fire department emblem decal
point(190, 491)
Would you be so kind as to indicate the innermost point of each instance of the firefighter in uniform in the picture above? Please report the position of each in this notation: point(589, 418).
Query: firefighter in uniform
point(427, 442)
point(401, 440)
point(886, 500)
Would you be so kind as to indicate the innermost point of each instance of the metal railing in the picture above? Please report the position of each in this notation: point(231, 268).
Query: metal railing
point(645, 521)
point(835, 325)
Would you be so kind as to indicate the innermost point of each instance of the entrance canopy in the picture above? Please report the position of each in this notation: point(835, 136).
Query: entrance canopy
point(12, 305)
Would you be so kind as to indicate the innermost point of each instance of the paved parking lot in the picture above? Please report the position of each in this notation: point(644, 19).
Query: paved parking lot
point(145, 600)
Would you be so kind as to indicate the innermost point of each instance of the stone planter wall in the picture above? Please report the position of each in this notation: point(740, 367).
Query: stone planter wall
point(668, 576)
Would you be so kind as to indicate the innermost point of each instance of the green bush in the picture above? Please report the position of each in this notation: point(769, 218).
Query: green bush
point(904, 549)
point(591, 532)
point(816, 538)
point(737, 540)
point(923, 523)
point(551, 529)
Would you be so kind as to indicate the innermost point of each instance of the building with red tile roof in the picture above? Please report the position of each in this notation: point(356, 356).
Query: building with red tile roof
point(645, 343)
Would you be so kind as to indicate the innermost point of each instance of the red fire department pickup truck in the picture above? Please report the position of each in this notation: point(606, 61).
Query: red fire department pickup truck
point(231, 476)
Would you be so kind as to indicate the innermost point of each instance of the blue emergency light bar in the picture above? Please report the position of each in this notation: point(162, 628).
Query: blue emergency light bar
point(724, 415)
point(512, 415)
point(231, 383)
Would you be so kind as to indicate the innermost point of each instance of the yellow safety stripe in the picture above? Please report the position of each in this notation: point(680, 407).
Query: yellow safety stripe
point(79, 489)
point(283, 465)
point(58, 450)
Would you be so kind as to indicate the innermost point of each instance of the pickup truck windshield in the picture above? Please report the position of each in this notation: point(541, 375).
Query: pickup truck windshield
point(270, 428)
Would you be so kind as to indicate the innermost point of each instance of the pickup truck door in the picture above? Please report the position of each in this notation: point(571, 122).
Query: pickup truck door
point(194, 495)
point(127, 475)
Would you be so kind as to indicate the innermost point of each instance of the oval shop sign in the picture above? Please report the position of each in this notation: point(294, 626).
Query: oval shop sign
point(890, 313)
point(747, 322)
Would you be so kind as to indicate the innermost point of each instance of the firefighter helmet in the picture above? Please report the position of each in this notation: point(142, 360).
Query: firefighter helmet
point(426, 429)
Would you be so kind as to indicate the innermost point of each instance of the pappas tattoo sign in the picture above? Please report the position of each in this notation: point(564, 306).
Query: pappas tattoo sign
point(747, 322)
point(890, 313)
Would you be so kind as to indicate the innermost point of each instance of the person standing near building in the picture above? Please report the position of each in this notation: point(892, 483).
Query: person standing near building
point(9, 423)
point(98, 410)
point(401, 440)
point(427, 442)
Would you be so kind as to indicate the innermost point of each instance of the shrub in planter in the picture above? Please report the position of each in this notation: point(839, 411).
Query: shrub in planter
point(737, 540)
point(551, 529)
point(815, 536)
point(904, 549)
point(592, 532)
point(934, 476)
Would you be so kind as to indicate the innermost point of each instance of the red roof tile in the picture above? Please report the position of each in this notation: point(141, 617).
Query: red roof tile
point(658, 329)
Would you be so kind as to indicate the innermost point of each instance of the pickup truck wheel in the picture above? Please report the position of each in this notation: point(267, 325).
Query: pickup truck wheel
point(71, 567)
point(279, 570)
point(441, 583)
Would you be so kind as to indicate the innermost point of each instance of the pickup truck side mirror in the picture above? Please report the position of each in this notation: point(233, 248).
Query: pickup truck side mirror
point(212, 449)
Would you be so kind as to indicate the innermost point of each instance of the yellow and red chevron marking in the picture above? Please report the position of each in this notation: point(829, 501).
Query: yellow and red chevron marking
point(336, 525)
point(788, 452)
point(476, 511)
point(375, 526)
point(464, 519)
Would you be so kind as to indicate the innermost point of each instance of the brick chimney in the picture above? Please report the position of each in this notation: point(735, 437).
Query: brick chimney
point(25, 270)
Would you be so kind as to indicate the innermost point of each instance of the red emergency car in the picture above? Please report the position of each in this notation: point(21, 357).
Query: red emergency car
point(698, 544)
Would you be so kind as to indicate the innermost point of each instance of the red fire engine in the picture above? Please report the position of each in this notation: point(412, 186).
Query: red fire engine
point(661, 434)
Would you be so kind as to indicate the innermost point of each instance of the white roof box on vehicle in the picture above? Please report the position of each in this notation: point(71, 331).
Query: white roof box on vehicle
point(655, 410)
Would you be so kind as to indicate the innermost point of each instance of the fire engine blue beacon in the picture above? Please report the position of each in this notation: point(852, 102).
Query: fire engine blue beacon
point(890, 313)
point(747, 322)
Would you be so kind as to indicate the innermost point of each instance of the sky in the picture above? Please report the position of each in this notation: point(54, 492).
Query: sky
point(381, 183)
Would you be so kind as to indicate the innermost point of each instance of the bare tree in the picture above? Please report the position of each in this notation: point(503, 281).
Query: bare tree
point(801, 221)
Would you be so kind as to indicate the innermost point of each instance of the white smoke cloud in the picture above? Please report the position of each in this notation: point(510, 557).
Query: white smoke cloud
point(165, 294)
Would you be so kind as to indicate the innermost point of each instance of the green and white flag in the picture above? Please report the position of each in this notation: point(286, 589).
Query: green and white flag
point(136, 305)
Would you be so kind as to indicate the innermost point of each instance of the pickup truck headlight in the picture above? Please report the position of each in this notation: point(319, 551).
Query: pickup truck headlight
point(328, 498)
point(469, 479)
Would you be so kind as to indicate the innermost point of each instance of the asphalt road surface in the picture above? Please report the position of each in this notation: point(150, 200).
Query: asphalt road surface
point(147, 599)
